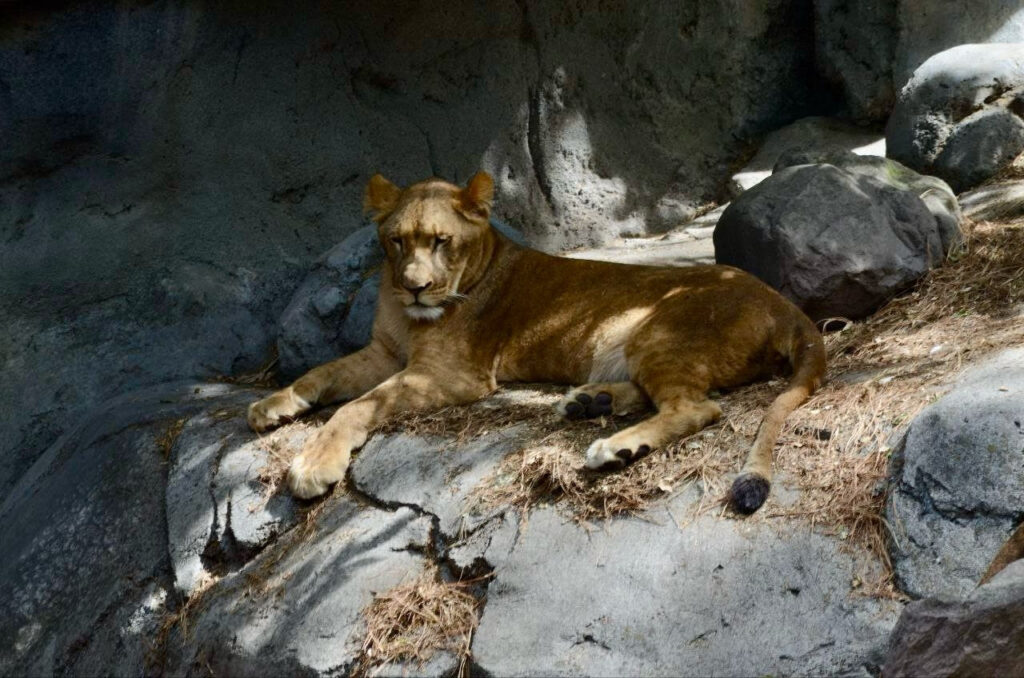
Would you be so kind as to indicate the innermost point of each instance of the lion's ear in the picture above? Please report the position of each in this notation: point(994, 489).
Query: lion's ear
point(380, 198)
point(474, 201)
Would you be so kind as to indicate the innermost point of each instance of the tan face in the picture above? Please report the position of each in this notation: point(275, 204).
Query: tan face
point(431, 233)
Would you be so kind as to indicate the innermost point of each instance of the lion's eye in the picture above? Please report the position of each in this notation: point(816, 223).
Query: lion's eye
point(440, 240)
point(397, 242)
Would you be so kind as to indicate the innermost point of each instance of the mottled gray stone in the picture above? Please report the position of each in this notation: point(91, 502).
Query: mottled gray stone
point(927, 27)
point(957, 490)
point(85, 578)
point(297, 609)
point(958, 117)
point(855, 44)
point(841, 236)
point(433, 473)
point(979, 146)
point(634, 597)
point(981, 635)
point(218, 512)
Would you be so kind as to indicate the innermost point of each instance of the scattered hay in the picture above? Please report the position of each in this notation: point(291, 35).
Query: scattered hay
point(412, 621)
point(180, 619)
point(264, 376)
point(166, 440)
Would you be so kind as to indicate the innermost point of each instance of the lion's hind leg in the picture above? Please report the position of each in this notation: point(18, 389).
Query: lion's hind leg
point(679, 415)
point(602, 399)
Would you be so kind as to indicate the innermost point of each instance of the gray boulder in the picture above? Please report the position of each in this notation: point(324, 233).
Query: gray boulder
point(981, 635)
point(837, 233)
point(959, 116)
point(957, 490)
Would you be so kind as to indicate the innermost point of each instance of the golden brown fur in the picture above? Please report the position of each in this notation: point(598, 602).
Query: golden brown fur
point(462, 308)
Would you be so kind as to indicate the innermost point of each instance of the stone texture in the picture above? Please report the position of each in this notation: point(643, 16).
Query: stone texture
point(868, 49)
point(648, 598)
point(958, 117)
point(927, 27)
point(297, 610)
point(957, 490)
point(217, 513)
point(979, 636)
point(979, 146)
point(85, 580)
point(842, 235)
point(855, 44)
point(813, 135)
point(433, 473)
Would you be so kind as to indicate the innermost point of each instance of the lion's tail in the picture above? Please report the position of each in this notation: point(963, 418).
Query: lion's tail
point(806, 352)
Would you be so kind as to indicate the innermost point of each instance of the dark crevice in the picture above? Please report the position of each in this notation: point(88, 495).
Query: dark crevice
point(586, 638)
point(223, 553)
point(479, 573)
point(921, 492)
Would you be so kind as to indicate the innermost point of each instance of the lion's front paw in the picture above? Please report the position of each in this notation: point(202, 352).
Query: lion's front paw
point(274, 410)
point(323, 461)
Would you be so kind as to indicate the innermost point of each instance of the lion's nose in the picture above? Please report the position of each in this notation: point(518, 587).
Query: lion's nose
point(416, 289)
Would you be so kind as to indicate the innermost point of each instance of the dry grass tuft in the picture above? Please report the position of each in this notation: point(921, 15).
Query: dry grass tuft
point(264, 376)
point(166, 440)
point(412, 621)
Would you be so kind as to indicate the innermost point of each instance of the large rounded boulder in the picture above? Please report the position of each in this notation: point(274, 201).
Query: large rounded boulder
point(956, 487)
point(959, 117)
point(837, 233)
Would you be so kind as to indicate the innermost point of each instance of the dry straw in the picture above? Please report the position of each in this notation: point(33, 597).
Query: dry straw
point(412, 621)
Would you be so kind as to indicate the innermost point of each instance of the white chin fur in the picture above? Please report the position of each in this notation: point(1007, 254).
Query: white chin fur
point(428, 313)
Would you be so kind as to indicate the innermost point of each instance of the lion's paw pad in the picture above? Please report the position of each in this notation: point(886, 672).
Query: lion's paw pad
point(584, 406)
point(605, 455)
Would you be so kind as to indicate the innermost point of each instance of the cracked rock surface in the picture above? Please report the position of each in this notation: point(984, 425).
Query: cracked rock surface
point(85, 575)
point(295, 609)
point(957, 486)
point(131, 527)
point(217, 511)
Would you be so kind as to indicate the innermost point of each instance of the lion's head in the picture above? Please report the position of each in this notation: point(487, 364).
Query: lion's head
point(437, 239)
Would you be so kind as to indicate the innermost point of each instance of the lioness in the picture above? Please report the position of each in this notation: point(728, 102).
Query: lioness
point(462, 308)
